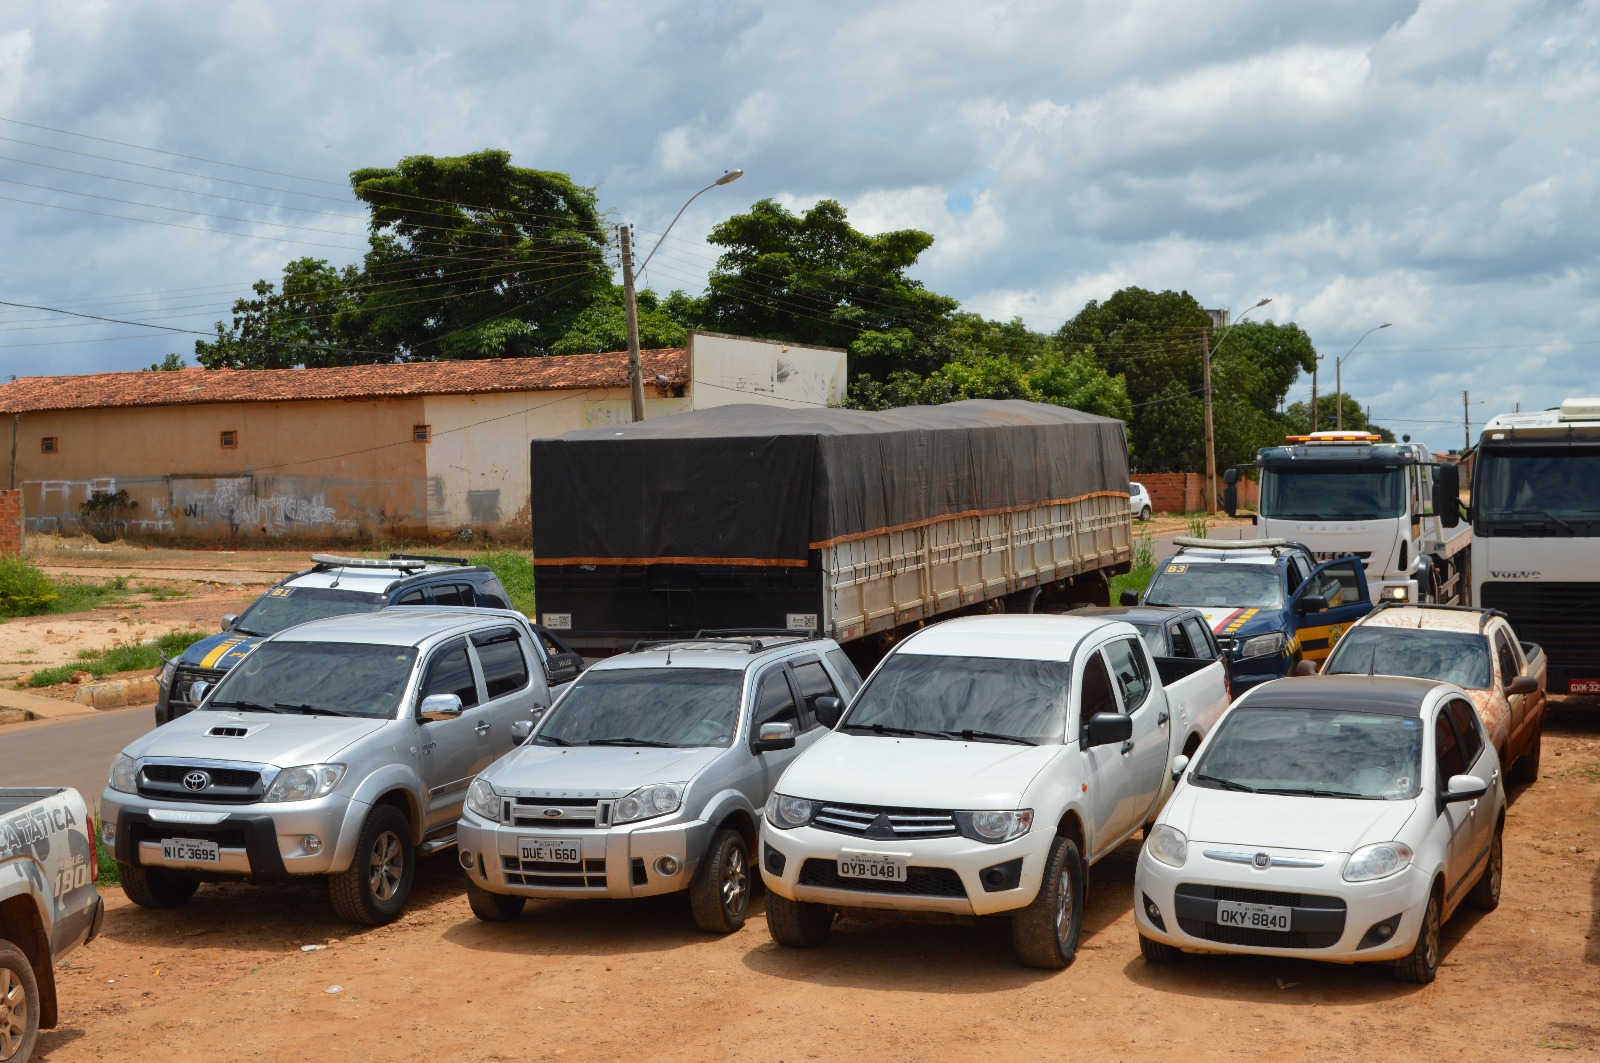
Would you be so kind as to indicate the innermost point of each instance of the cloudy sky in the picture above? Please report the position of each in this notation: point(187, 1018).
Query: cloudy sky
point(1430, 164)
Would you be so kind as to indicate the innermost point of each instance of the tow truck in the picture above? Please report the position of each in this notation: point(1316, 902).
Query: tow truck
point(1393, 505)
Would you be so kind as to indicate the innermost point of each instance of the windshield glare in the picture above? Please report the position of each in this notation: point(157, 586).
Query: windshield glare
point(1335, 751)
point(656, 706)
point(1534, 483)
point(1023, 699)
point(283, 607)
point(346, 678)
point(1450, 656)
point(1333, 492)
point(1216, 584)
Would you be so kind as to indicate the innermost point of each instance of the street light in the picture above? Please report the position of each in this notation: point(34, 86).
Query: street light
point(629, 302)
point(1338, 378)
point(1211, 439)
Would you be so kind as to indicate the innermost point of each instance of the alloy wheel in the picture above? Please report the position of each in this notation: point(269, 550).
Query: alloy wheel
point(1430, 928)
point(386, 866)
point(13, 1013)
point(1063, 907)
point(735, 881)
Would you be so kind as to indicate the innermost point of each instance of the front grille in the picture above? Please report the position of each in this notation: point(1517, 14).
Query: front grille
point(227, 786)
point(542, 873)
point(182, 679)
point(920, 881)
point(237, 777)
point(1564, 618)
point(575, 813)
point(862, 821)
point(1327, 913)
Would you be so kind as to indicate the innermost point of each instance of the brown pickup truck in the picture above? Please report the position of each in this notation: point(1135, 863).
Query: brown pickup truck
point(1472, 648)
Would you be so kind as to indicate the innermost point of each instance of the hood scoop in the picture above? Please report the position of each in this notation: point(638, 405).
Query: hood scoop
point(233, 731)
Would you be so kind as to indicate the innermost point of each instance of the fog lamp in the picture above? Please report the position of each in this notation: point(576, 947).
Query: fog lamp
point(466, 860)
point(667, 866)
point(311, 844)
point(108, 831)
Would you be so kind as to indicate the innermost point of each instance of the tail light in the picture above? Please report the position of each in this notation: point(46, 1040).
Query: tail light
point(94, 850)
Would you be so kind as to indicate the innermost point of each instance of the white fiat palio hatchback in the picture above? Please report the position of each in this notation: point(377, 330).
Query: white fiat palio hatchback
point(1338, 818)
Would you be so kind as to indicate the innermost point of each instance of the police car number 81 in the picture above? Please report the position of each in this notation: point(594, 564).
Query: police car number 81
point(1253, 916)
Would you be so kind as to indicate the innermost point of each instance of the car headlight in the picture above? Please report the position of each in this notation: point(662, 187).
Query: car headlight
point(786, 813)
point(483, 801)
point(1378, 860)
point(305, 782)
point(647, 802)
point(1261, 645)
point(1167, 844)
point(168, 670)
point(125, 774)
point(994, 827)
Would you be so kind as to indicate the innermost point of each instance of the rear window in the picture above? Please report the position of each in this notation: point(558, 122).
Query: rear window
point(284, 607)
point(1457, 657)
point(505, 670)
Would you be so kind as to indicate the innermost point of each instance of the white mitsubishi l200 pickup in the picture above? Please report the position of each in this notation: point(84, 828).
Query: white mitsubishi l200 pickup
point(984, 765)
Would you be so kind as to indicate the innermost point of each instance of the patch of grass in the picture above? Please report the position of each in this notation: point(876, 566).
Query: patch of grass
point(128, 658)
point(78, 596)
point(24, 588)
point(1197, 524)
point(516, 572)
point(1143, 571)
point(107, 859)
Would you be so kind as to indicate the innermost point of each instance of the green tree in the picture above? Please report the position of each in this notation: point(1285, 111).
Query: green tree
point(169, 363)
point(603, 324)
point(1298, 417)
point(307, 321)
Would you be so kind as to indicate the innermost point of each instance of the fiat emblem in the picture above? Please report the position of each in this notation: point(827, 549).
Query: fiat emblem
point(196, 780)
point(1262, 861)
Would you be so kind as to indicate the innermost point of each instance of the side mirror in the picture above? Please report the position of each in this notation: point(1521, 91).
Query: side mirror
point(1447, 494)
point(198, 692)
point(1230, 476)
point(1129, 598)
point(1108, 727)
point(439, 706)
point(564, 667)
point(774, 736)
point(827, 710)
point(1305, 668)
point(520, 730)
point(1180, 764)
point(228, 620)
point(1310, 603)
point(1522, 684)
point(1464, 788)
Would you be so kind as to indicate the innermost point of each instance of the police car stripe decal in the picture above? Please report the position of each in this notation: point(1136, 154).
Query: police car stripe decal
point(210, 660)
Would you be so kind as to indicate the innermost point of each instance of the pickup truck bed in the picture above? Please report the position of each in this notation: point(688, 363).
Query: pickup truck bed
point(1197, 695)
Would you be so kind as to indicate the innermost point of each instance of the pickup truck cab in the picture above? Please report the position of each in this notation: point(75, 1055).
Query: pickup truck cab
point(986, 763)
point(1473, 648)
point(1269, 603)
point(341, 748)
point(1193, 669)
point(649, 775)
point(48, 905)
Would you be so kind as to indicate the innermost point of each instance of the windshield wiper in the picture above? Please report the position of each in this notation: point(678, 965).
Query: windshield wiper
point(1307, 791)
point(630, 742)
point(1226, 784)
point(553, 740)
point(247, 631)
point(250, 706)
point(1513, 513)
point(886, 729)
point(990, 736)
point(310, 710)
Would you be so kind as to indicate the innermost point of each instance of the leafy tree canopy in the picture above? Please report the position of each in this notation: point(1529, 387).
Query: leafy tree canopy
point(169, 363)
point(1355, 418)
point(603, 324)
point(306, 321)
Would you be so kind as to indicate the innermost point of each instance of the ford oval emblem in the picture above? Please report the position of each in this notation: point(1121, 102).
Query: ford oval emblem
point(196, 780)
point(553, 813)
point(1262, 861)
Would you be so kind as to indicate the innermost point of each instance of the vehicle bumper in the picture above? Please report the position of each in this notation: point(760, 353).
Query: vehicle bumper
point(96, 920)
point(944, 874)
point(1186, 902)
point(252, 840)
point(617, 862)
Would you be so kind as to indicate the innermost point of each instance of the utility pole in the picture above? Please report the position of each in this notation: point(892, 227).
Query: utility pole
point(635, 374)
point(1211, 442)
point(1466, 425)
point(1314, 362)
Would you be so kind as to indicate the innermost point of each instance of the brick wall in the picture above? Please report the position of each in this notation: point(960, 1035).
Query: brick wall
point(1184, 492)
point(10, 522)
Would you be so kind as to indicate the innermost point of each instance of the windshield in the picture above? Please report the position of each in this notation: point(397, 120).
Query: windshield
point(324, 678)
point(1554, 487)
point(1457, 657)
point(1315, 752)
point(1205, 585)
point(1333, 492)
point(648, 707)
point(946, 696)
point(283, 607)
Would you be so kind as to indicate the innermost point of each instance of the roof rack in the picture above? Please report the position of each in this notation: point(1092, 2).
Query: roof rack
point(430, 559)
point(1484, 614)
point(727, 638)
point(325, 561)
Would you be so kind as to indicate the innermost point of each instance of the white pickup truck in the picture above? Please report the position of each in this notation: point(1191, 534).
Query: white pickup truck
point(983, 767)
point(48, 905)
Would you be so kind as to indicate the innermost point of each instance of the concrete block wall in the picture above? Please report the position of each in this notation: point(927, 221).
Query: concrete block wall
point(1184, 492)
point(10, 522)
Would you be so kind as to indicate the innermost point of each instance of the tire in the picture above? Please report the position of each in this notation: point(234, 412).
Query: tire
point(1158, 951)
point(1526, 769)
point(1045, 933)
point(1144, 514)
point(1485, 895)
point(493, 907)
point(798, 924)
point(719, 896)
point(155, 887)
point(1422, 966)
point(19, 1005)
point(373, 890)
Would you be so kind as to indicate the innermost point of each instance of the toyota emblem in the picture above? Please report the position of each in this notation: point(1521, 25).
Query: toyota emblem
point(552, 813)
point(1262, 861)
point(196, 780)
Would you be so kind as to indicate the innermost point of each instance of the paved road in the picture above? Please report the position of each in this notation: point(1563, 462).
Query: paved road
point(74, 752)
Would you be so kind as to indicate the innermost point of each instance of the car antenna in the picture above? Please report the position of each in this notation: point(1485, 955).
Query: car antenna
point(337, 578)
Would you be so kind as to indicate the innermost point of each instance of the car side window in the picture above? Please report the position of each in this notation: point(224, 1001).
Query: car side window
point(416, 597)
point(1097, 693)
point(1295, 573)
point(1205, 647)
point(849, 678)
point(813, 681)
point(450, 672)
point(774, 702)
point(1180, 641)
point(1446, 749)
point(1507, 657)
point(494, 593)
point(1126, 658)
point(453, 594)
point(500, 656)
point(1339, 584)
point(1467, 730)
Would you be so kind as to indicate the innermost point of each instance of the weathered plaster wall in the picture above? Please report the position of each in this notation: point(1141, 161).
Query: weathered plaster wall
point(729, 369)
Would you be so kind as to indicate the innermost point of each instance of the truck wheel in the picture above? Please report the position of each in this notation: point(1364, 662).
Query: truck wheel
point(1526, 769)
point(373, 890)
point(155, 887)
point(1045, 933)
point(1422, 966)
point(19, 1005)
point(493, 907)
point(1485, 895)
point(1155, 951)
point(719, 896)
point(798, 924)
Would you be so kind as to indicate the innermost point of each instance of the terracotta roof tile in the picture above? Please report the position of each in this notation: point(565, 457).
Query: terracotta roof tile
point(31, 394)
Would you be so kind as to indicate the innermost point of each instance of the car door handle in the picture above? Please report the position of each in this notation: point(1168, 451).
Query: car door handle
point(1161, 721)
point(1127, 747)
point(1472, 809)
point(482, 728)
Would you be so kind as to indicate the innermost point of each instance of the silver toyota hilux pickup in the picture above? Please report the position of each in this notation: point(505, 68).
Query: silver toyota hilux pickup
point(342, 747)
point(649, 775)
